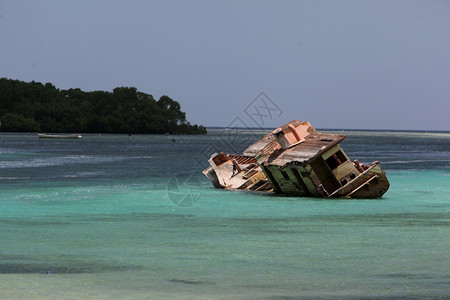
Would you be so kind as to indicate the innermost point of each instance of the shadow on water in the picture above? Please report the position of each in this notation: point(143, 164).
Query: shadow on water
point(190, 282)
point(65, 264)
point(77, 268)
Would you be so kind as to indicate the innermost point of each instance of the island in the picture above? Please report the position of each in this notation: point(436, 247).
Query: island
point(36, 107)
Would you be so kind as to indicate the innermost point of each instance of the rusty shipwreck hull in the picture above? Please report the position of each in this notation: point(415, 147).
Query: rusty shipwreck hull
point(298, 160)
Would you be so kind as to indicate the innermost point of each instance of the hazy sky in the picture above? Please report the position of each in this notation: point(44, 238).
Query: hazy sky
point(338, 64)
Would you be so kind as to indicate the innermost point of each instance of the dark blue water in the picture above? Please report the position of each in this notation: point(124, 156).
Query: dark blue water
point(113, 216)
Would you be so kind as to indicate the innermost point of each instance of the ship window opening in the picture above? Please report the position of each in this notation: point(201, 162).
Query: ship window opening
point(336, 160)
point(352, 176)
point(250, 174)
point(285, 175)
point(344, 181)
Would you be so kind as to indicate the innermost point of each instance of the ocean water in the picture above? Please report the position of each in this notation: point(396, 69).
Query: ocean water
point(132, 217)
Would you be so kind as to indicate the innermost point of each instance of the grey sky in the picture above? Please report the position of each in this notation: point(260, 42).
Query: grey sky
point(337, 64)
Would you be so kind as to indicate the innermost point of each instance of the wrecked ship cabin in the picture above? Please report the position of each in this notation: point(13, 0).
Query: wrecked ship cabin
point(298, 160)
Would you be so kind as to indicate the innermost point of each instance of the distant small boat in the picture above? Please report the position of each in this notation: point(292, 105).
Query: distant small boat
point(59, 136)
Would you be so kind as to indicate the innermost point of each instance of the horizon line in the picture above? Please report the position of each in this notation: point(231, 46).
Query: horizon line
point(338, 129)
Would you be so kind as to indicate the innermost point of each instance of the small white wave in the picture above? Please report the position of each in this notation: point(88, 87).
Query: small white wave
point(415, 161)
point(65, 160)
point(83, 174)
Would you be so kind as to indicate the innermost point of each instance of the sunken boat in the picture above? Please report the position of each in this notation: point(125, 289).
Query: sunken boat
point(298, 160)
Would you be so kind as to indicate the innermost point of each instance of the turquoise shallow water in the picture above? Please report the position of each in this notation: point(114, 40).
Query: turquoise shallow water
point(97, 218)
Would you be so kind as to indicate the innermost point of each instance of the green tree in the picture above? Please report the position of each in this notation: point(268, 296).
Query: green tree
point(18, 123)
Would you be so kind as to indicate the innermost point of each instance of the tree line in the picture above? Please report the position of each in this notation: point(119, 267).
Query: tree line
point(36, 107)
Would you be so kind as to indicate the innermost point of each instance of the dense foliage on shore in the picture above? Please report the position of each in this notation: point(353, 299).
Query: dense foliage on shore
point(37, 107)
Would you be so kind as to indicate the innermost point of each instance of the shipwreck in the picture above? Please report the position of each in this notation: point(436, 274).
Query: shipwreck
point(298, 160)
